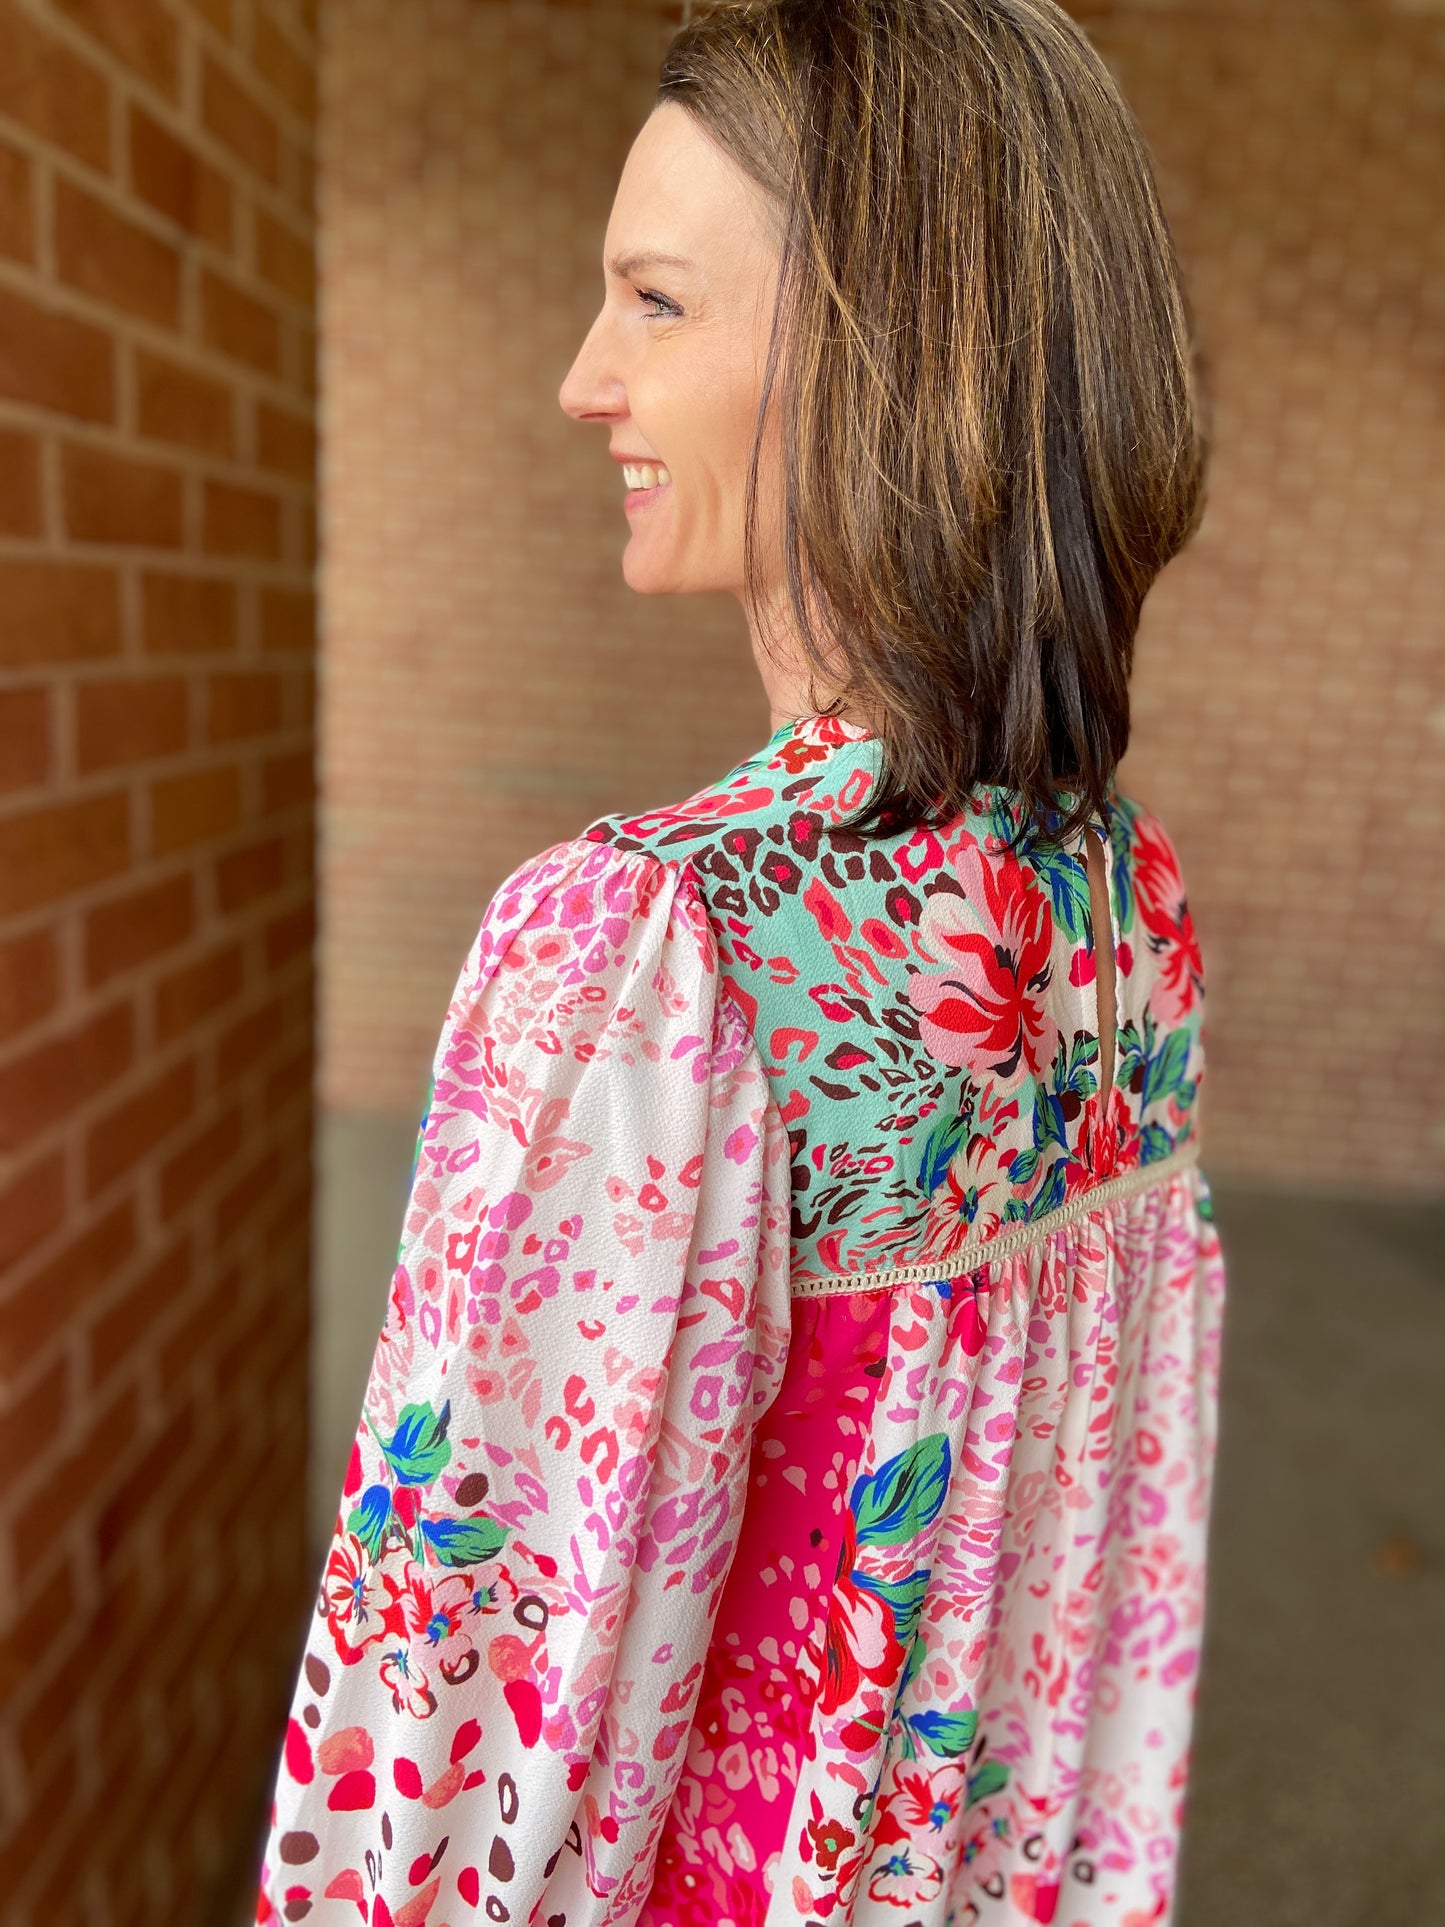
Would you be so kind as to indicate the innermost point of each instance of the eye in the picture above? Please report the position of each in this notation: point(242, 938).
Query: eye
point(668, 307)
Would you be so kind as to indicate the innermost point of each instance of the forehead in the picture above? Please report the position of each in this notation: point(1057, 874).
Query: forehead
point(681, 203)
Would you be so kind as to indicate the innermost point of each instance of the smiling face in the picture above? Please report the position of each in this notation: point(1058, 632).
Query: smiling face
point(673, 364)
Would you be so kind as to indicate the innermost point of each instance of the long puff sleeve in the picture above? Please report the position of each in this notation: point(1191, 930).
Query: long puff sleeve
point(588, 1316)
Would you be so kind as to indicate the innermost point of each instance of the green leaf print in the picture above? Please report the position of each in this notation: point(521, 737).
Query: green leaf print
point(903, 1597)
point(1050, 1124)
point(991, 1777)
point(1131, 1055)
point(1123, 812)
point(917, 1653)
point(946, 1733)
point(1023, 1167)
point(998, 820)
point(465, 1542)
point(893, 1504)
point(1050, 1193)
point(1079, 1069)
point(1049, 1127)
point(940, 1148)
point(1066, 879)
point(370, 1519)
point(1154, 1142)
point(1164, 1071)
point(418, 1449)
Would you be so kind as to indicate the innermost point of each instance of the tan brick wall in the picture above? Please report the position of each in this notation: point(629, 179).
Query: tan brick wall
point(1290, 697)
point(492, 683)
point(157, 532)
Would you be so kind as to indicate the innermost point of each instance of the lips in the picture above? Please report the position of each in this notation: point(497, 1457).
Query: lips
point(638, 498)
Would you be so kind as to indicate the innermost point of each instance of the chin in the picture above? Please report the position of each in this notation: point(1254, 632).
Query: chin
point(648, 575)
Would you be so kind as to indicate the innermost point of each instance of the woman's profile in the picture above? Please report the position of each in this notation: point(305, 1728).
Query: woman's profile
point(782, 1487)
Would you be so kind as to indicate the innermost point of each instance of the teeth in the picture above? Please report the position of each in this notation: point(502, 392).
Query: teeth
point(645, 475)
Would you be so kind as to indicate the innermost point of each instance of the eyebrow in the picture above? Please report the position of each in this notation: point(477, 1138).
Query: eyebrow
point(626, 265)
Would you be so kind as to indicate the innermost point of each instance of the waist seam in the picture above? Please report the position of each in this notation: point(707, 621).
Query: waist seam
point(1013, 1237)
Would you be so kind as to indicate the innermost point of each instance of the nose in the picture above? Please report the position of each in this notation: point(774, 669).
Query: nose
point(588, 393)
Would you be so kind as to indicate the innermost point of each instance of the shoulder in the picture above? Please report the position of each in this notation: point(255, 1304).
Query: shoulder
point(586, 957)
point(584, 910)
point(805, 777)
point(1151, 856)
point(1158, 938)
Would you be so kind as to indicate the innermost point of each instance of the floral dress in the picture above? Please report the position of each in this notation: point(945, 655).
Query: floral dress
point(782, 1485)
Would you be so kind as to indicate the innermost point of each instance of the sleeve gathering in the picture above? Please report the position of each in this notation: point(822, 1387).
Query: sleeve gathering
point(588, 1315)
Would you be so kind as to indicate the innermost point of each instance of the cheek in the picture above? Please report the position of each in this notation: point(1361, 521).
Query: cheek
point(700, 418)
point(716, 471)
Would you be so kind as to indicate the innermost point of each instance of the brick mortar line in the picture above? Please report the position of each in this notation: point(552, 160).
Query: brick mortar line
point(194, 257)
point(242, 64)
point(124, 78)
point(116, 186)
point(33, 418)
point(134, 791)
point(152, 1420)
point(175, 457)
point(119, 325)
point(152, 874)
point(242, 570)
point(213, 933)
point(214, 1103)
point(197, 1045)
point(147, 1251)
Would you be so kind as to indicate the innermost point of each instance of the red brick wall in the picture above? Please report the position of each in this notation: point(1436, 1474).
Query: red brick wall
point(494, 683)
point(156, 828)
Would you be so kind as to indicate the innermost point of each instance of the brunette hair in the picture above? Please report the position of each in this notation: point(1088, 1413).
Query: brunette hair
point(991, 416)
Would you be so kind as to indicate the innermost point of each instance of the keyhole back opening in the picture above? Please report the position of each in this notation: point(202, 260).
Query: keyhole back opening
point(1102, 926)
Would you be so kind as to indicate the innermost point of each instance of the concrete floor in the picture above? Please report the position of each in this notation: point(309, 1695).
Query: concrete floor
point(1319, 1768)
point(1319, 1765)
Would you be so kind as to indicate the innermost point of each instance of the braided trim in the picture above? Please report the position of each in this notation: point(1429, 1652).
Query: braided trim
point(1015, 1237)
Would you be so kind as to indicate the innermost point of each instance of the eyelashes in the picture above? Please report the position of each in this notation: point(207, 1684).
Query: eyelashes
point(668, 307)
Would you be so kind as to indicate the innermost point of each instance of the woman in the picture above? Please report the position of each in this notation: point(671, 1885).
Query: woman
point(782, 1487)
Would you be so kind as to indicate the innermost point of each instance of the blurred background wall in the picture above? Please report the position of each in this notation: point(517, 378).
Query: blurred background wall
point(1290, 696)
point(157, 516)
point(492, 683)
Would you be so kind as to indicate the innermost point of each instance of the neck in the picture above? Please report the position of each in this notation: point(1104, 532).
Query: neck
point(792, 689)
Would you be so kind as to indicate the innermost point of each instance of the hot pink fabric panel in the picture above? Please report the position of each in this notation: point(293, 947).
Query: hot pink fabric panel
point(1070, 1389)
point(754, 1719)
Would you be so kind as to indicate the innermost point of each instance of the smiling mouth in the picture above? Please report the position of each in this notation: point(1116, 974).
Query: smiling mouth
point(636, 498)
point(645, 475)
